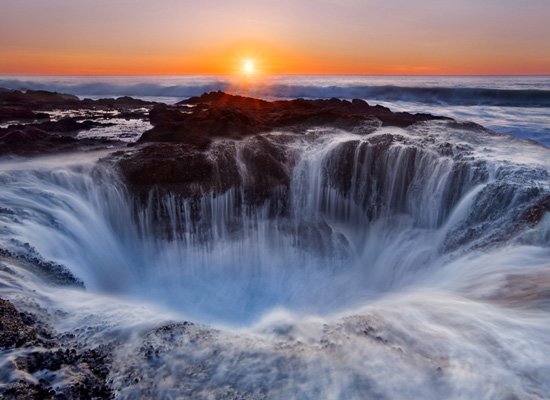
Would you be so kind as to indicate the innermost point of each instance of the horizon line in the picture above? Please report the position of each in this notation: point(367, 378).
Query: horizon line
point(268, 75)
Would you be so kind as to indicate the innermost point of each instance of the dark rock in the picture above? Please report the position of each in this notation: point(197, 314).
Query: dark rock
point(88, 370)
point(36, 98)
point(266, 167)
point(118, 103)
point(16, 113)
point(534, 213)
point(30, 140)
point(26, 390)
point(191, 171)
point(196, 120)
point(15, 330)
point(48, 270)
point(169, 165)
point(66, 125)
point(184, 158)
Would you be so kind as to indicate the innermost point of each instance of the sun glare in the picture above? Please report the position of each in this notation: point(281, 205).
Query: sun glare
point(248, 67)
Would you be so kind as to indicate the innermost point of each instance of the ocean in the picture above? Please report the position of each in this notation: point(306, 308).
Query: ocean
point(515, 105)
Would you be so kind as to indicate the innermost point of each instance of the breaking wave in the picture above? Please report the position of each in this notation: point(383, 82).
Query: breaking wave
point(455, 96)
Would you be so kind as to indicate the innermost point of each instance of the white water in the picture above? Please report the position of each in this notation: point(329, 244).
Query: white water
point(395, 271)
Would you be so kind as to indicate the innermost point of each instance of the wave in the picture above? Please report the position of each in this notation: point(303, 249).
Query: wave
point(428, 95)
point(456, 96)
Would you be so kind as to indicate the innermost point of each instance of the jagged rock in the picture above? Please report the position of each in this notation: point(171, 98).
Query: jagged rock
point(15, 331)
point(30, 140)
point(216, 114)
point(48, 270)
point(175, 166)
point(20, 114)
point(87, 368)
point(36, 98)
point(30, 135)
point(534, 214)
point(183, 157)
point(44, 100)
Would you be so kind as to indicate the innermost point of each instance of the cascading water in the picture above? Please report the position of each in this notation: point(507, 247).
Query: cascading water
point(417, 236)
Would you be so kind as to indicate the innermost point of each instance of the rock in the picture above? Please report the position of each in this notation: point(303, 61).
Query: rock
point(36, 98)
point(216, 114)
point(30, 140)
point(50, 271)
point(533, 215)
point(20, 114)
point(27, 105)
point(14, 330)
point(188, 157)
point(86, 368)
point(258, 165)
point(27, 390)
point(30, 135)
point(176, 166)
point(47, 137)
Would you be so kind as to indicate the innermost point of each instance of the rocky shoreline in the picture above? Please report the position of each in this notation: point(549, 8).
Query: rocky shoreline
point(175, 154)
point(209, 145)
point(34, 123)
point(37, 348)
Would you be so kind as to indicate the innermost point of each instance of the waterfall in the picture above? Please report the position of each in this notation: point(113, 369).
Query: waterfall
point(357, 217)
point(398, 264)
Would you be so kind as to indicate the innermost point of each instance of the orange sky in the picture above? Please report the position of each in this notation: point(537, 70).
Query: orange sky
point(286, 37)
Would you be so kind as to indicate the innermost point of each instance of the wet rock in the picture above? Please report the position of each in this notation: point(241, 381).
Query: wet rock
point(66, 125)
point(85, 374)
point(36, 98)
point(20, 114)
point(32, 141)
point(50, 366)
point(120, 103)
point(15, 328)
point(52, 272)
point(534, 214)
point(184, 157)
point(172, 166)
point(217, 114)
point(34, 132)
point(28, 390)
point(44, 100)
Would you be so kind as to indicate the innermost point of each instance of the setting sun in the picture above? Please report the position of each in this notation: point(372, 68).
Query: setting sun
point(248, 67)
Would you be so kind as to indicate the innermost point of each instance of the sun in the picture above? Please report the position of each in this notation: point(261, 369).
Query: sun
point(248, 67)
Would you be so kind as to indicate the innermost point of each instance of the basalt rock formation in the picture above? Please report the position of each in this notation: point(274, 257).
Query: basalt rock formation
point(198, 120)
point(182, 153)
point(41, 100)
point(88, 367)
point(15, 329)
point(30, 128)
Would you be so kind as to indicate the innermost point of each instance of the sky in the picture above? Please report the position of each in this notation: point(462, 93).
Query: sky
point(395, 37)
